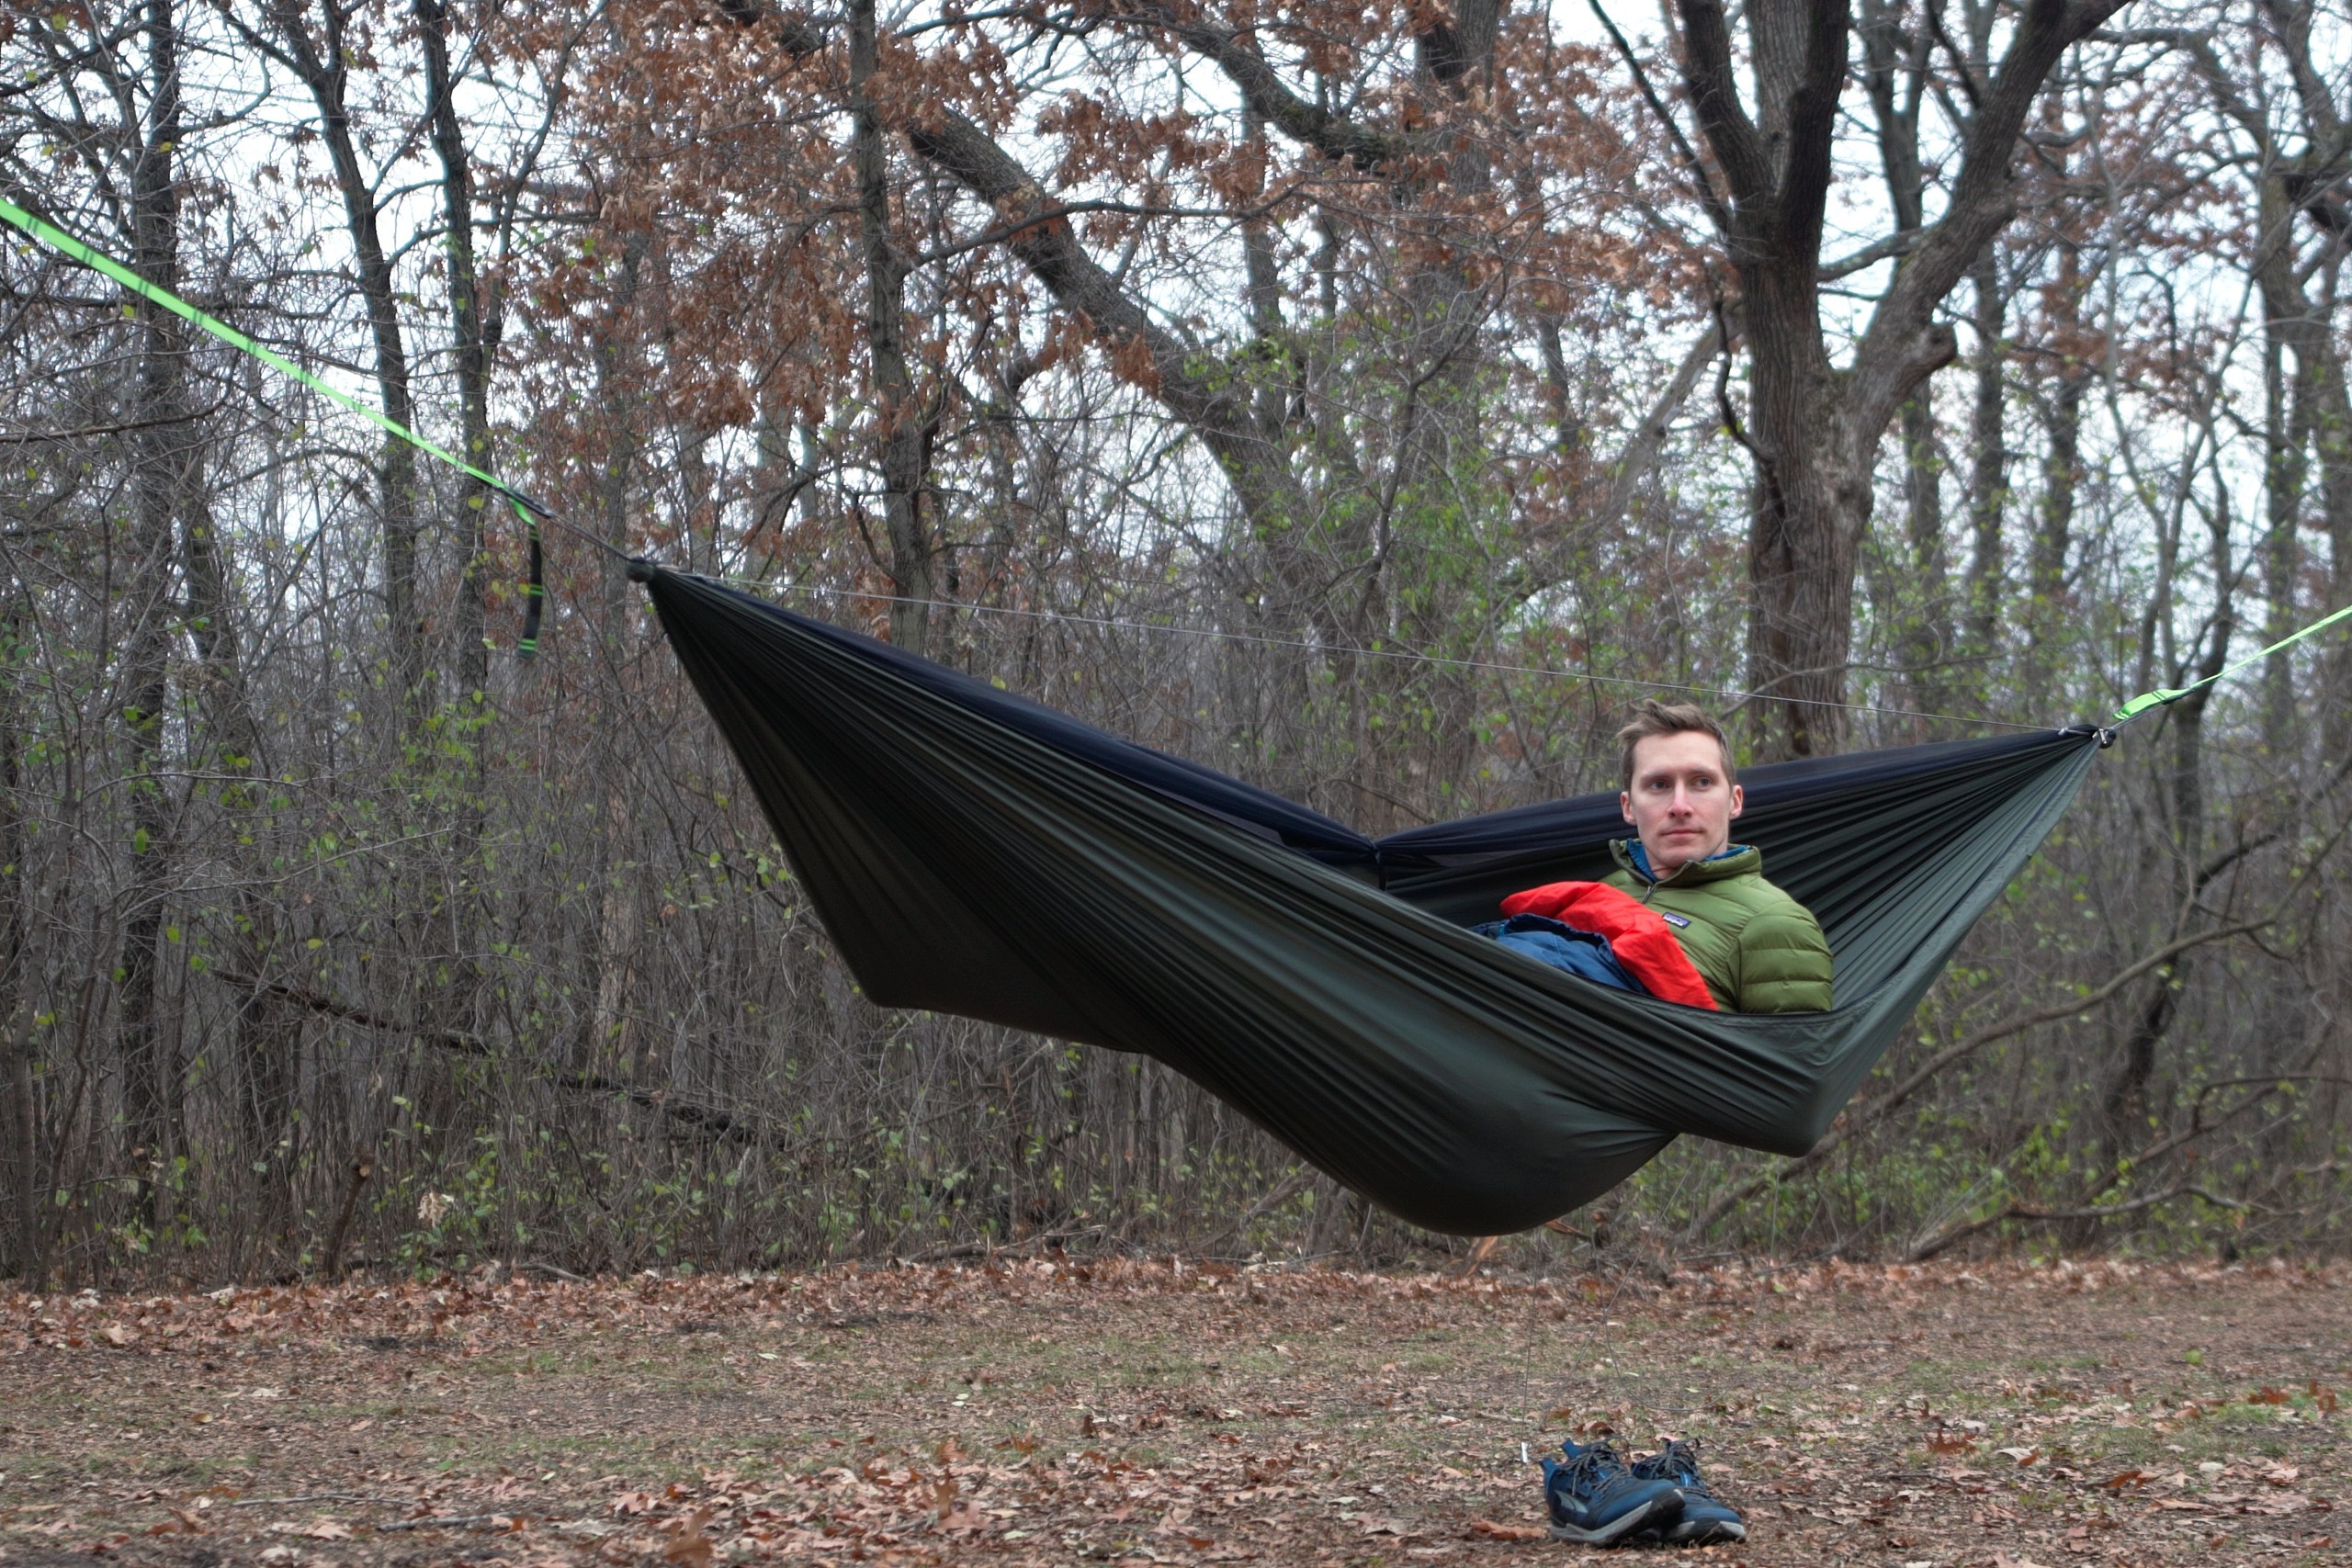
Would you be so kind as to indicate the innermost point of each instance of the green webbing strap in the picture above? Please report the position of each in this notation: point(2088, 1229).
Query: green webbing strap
point(2162, 695)
point(529, 510)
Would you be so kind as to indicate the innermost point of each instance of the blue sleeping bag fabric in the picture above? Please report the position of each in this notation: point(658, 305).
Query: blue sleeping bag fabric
point(1580, 953)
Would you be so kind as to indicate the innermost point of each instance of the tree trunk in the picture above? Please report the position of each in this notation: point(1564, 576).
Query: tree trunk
point(2053, 532)
point(903, 425)
point(1811, 505)
point(2288, 189)
point(472, 330)
point(474, 322)
point(20, 1094)
point(2125, 1108)
point(2332, 444)
point(2287, 437)
point(326, 72)
point(150, 1064)
point(2323, 416)
point(1988, 470)
point(1927, 638)
point(1814, 432)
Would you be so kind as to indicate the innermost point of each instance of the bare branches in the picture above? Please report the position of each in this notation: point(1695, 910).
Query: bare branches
point(1861, 1118)
point(1143, 351)
point(1694, 169)
point(1331, 398)
point(1313, 125)
point(1902, 345)
point(1943, 1241)
point(700, 1118)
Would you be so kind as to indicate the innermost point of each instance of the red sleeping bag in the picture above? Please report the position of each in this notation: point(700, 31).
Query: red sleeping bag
point(1638, 934)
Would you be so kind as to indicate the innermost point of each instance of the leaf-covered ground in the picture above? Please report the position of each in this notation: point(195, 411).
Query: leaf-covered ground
point(1071, 1411)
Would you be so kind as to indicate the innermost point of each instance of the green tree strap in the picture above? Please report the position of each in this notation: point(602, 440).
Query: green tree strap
point(2164, 695)
point(525, 508)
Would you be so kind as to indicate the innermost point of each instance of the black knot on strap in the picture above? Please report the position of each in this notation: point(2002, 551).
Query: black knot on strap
point(640, 569)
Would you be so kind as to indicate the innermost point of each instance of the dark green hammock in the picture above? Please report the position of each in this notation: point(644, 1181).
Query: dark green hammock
point(976, 853)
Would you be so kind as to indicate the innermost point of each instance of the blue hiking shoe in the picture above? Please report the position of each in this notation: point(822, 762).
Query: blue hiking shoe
point(1595, 1500)
point(1706, 1518)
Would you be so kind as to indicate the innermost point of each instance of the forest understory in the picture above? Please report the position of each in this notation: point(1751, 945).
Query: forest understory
point(1369, 403)
point(1061, 1409)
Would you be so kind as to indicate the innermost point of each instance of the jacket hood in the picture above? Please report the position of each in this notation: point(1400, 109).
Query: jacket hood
point(1737, 860)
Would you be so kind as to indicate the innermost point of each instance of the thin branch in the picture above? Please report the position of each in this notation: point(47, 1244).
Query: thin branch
point(1685, 155)
point(1960, 1233)
point(1862, 1118)
point(457, 1042)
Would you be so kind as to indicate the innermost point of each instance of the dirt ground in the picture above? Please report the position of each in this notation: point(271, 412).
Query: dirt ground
point(1073, 1411)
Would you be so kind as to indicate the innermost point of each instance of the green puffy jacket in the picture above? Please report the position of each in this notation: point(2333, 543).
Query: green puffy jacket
point(1757, 948)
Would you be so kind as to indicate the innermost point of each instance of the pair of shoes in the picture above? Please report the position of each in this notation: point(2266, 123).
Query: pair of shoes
point(1594, 1499)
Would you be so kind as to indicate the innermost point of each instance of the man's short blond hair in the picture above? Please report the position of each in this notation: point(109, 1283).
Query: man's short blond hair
point(1652, 718)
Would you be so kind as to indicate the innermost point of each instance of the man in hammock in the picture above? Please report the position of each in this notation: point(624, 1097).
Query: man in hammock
point(1687, 916)
point(1757, 948)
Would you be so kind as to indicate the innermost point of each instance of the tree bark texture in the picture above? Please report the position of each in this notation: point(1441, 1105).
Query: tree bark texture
point(904, 423)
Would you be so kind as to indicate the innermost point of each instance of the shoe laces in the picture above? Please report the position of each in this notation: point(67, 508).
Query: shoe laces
point(1594, 1475)
point(1678, 1462)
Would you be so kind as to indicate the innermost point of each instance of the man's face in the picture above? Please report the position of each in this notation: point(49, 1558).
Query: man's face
point(1681, 805)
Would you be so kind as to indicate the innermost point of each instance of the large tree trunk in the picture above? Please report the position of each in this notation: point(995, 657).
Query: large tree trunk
point(2322, 415)
point(1812, 503)
point(472, 331)
point(2047, 572)
point(1926, 639)
point(2287, 437)
point(2332, 444)
point(604, 1051)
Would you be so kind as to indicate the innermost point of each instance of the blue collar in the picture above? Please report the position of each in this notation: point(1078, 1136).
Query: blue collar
point(1640, 856)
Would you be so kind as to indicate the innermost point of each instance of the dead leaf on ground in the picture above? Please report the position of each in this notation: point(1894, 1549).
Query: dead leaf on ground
point(689, 1546)
point(1489, 1530)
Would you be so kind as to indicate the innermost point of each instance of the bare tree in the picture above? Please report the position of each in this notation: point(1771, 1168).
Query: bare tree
point(322, 63)
point(1812, 427)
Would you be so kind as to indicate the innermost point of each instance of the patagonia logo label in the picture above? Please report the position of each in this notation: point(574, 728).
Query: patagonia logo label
point(1675, 920)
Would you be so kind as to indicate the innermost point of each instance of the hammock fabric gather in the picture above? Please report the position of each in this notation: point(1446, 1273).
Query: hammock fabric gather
point(973, 853)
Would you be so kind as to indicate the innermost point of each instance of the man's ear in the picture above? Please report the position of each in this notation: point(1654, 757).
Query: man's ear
point(1626, 805)
point(1739, 801)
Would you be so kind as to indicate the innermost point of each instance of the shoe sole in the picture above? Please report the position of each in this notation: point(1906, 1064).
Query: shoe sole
point(1609, 1534)
point(1705, 1532)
